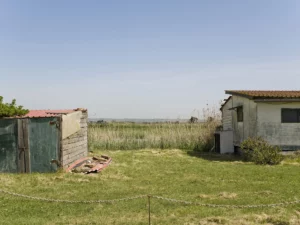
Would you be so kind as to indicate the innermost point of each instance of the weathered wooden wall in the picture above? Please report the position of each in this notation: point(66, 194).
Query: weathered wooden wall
point(227, 115)
point(8, 145)
point(75, 146)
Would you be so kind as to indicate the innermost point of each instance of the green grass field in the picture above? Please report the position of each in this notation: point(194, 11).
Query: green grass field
point(175, 174)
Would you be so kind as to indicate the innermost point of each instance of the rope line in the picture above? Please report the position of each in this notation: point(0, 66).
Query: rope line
point(150, 196)
point(71, 201)
point(227, 206)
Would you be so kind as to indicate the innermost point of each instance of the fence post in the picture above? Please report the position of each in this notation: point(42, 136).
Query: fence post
point(149, 208)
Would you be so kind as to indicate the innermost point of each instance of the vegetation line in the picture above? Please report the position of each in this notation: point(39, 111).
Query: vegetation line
point(168, 135)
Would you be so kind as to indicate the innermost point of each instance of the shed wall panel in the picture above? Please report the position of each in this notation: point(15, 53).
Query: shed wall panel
point(71, 124)
point(8, 145)
point(43, 144)
point(75, 146)
point(285, 135)
point(227, 115)
point(247, 128)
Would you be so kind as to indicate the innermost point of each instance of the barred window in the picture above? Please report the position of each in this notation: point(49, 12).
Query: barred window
point(240, 114)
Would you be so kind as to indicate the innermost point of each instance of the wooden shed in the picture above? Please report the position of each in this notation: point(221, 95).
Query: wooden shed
point(43, 140)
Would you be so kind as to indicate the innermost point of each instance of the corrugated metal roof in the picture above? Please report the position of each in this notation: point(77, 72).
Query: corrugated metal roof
point(46, 113)
point(258, 94)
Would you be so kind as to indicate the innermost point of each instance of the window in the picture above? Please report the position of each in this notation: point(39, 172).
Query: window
point(290, 115)
point(240, 114)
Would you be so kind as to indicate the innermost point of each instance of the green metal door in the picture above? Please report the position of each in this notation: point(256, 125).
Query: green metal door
point(8, 145)
point(43, 144)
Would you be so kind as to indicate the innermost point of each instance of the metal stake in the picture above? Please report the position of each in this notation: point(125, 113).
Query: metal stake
point(149, 208)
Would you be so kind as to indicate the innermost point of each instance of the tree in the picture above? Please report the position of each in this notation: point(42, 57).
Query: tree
point(11, 109)
point(193, 119)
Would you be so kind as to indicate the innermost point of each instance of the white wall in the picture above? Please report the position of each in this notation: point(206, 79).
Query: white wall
point(227, 115)
point(226, 142)
point(269, 126)
point(247, 128)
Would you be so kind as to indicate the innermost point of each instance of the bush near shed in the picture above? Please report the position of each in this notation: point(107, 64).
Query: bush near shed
point(259, 151)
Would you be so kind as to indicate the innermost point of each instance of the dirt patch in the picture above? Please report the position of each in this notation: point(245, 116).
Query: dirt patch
point(221, 195)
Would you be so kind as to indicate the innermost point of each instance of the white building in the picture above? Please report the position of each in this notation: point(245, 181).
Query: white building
point(272, 115)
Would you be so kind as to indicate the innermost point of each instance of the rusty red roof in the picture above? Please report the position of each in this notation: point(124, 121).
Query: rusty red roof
point(49, 113)
point(258, 94)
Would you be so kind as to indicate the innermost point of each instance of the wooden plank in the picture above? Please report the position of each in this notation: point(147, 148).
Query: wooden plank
point(8, 145)
point(60, 141)
point(26, 146)
point(21, 148)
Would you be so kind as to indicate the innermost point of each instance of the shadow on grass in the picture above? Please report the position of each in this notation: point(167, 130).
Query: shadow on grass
point(211, 156)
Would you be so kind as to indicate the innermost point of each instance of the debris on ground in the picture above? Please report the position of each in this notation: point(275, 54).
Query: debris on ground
point(90, 164)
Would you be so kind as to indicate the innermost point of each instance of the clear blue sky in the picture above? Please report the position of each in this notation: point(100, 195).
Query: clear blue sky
point(145, 59)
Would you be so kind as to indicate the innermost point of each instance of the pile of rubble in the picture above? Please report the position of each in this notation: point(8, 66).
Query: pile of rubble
point(90, 164)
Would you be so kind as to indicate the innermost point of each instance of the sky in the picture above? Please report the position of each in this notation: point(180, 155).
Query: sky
point(145, 59)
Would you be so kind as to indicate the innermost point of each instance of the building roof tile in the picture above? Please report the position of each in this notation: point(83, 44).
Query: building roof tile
point(259, 94)
point(49, 113)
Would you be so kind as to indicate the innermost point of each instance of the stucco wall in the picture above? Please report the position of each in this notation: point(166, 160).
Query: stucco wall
point(247, 128)
point(269, 126)
point(226, 142)
point(75, 146)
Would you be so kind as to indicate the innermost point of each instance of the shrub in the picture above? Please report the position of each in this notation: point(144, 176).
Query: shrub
point(259, 151)
point(11, 109)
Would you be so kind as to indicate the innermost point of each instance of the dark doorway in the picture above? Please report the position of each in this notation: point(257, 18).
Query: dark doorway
point(217, 143)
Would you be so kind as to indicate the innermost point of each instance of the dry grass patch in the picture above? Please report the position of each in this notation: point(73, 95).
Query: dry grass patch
point(128, 136)
point(222, 195)
point(227, 195)
point(265, 193)
point(255, 219)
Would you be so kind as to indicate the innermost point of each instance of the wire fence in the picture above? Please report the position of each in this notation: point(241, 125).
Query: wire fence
point(149, 197)
point(71, 201)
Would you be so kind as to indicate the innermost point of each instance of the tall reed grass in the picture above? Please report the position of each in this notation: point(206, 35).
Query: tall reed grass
point(127, 136)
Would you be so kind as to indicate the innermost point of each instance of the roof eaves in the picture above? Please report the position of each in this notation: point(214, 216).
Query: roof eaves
point(264, 99)
point(226, 100)
point(238, 94)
